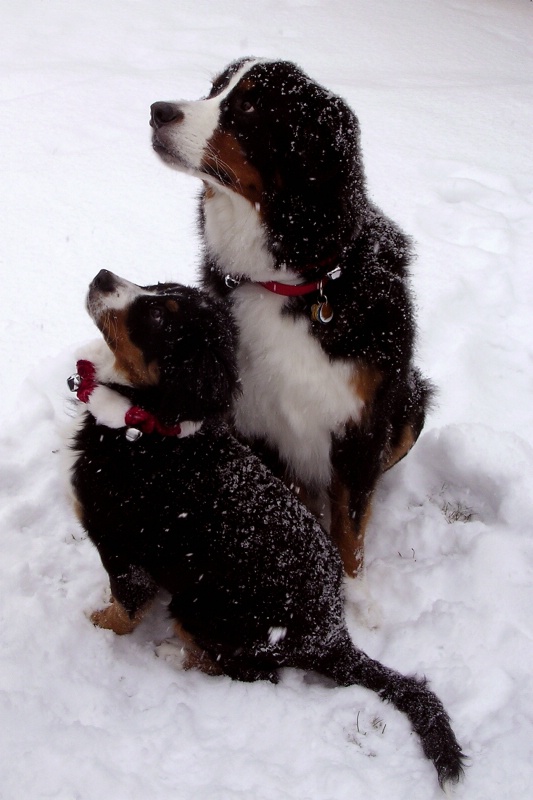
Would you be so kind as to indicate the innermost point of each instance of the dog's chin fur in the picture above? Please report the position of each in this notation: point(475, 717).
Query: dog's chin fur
point(330, 406)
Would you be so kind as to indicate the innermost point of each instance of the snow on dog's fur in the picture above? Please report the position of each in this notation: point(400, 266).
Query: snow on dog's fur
point(255, 581)
point(317, 279)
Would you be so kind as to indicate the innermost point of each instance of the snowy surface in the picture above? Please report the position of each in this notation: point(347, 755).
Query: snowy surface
point(443, 90)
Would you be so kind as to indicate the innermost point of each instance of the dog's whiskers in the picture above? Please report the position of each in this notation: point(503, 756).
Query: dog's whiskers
point(220, 167)
point(110, 325)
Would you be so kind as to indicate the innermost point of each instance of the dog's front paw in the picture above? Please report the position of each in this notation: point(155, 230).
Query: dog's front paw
point(186, 656)
point(114, 618)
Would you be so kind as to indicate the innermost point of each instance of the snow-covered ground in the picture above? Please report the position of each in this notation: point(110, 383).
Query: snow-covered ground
point(443, 90)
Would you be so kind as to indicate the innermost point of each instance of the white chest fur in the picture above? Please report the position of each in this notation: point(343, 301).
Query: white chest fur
point(293, 395)
point(235, 237)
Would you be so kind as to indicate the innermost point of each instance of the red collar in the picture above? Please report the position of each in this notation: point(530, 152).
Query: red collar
point(137, 417)
point(84, 383)
point(290, 290)
point(287, 290)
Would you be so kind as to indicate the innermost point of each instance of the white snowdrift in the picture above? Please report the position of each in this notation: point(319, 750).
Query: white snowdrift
point(443, 92)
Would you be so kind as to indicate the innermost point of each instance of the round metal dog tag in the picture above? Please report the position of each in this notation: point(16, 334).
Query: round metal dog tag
point(325, 313)
point(322, 312)
point(132, 434)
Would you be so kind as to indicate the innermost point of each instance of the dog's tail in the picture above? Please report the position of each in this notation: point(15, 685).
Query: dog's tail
point(348, 666)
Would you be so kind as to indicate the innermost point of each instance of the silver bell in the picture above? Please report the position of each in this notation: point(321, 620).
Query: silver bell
point(132, 434)
point(74, 382)
point(231, 282)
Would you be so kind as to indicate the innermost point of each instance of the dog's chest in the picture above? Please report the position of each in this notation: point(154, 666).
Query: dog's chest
point(293, 395)
point(236, 237)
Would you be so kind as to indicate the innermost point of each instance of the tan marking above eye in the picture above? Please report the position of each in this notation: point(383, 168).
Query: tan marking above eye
point(246, 84)
point(172, 305)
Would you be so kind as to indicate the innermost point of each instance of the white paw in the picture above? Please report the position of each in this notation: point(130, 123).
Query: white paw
point(173, 652)
point(360, 604)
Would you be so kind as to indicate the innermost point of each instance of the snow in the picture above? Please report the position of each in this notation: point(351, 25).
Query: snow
point(443, 92)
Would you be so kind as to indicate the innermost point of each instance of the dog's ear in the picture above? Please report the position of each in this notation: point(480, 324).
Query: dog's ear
point(198, 390)
point(199, 377)
point(320, 182)
point(325, 142)
point(316, 139)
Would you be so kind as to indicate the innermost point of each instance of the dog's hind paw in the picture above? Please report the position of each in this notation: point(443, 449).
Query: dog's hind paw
point(173, 651)
point(360, 605)
point(187, 656)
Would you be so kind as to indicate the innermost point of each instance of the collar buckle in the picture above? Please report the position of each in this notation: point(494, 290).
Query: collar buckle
point(334, 273)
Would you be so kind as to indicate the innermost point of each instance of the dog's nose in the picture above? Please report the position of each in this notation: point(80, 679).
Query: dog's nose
point(105, 281)
point(163, 113)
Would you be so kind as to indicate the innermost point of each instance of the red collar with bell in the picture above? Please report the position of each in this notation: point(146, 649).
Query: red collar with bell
point(84, 382)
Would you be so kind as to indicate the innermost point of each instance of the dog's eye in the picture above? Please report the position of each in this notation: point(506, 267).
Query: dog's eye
point(247, 107)
point(156, 315)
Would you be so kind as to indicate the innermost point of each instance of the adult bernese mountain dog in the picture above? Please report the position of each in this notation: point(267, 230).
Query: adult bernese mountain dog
point(171, 499)
point(317, 279)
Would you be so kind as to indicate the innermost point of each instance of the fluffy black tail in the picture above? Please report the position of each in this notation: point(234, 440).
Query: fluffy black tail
point(347, 666)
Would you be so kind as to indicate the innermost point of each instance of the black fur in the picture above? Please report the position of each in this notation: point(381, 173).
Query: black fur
point(203, 518)
point(303, 141)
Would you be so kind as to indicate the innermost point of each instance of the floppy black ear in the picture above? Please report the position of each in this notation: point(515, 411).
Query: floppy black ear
point(325, 141)
point(193, 340)
point(199, 389)
point(321, 182)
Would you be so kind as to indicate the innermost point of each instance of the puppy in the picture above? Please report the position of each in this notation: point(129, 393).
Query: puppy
point(317, 280)
point(171, 499)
